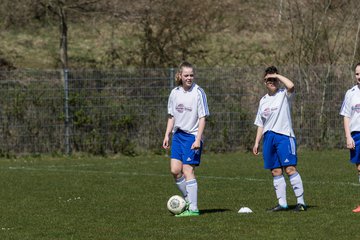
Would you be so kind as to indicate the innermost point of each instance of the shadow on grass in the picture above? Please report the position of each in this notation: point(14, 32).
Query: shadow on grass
point(292, 207)
point(216, 210)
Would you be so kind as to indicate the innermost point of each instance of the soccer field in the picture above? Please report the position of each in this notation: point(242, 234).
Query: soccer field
point(120, 197)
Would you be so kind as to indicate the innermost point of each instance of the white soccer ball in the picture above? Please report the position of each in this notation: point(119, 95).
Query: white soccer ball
point(176, 204)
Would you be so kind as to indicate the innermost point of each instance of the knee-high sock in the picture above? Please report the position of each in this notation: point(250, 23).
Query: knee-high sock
point(181, 184)
point(280, 190)
point(297, 185)
point(192, 189)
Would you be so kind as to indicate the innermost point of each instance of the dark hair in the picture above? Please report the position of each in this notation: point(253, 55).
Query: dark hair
point(270, 70)
point(178, 74)
point(358, 64)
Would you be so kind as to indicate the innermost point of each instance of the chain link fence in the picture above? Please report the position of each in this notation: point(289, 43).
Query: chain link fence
point(124, 111)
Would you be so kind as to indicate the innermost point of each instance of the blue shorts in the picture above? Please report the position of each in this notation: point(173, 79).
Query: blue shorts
point(355, 153)
point(279, 150)
point(181, 148)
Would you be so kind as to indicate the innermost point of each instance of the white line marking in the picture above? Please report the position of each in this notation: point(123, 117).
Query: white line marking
point(54, 169)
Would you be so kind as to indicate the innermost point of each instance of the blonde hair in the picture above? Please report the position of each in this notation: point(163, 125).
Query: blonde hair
point(178, 74)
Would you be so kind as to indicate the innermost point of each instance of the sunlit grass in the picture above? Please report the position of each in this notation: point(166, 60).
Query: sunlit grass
point(119, 197)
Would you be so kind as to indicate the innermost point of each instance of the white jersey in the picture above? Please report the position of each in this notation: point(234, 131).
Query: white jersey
point(351, 108)
point(274, 113)
point(187, 107)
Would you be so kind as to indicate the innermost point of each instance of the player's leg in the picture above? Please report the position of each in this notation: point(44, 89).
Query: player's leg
point(271, 162)
point(288, 158)
point(357, 209)
point(176, 164)
point(191, 160)
point(280, 188)
point(176, 170)
point(297, 186)
point(192, 189)
point(355, 159)
point(191, 186)
point(355, 154)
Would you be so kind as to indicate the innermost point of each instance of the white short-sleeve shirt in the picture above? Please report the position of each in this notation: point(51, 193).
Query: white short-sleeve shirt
point(187, 107)
point(351, 108)
point(274, 113)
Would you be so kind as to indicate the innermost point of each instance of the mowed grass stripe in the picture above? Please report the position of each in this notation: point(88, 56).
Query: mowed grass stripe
point(56, 169)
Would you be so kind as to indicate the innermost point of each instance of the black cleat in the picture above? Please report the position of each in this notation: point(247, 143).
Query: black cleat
point(278, 208)
point(300, 207)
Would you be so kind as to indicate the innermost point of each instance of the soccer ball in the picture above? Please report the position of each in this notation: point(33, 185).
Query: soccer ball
point(176, 204)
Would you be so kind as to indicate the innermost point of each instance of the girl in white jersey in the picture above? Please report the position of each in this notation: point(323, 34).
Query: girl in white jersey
point(350, 109)
point(279, 145)
point(187, 110)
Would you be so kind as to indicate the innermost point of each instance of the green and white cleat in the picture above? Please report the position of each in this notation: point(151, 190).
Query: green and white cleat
point(188, 213)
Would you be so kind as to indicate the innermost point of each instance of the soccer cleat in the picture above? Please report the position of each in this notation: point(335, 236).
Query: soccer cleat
point(300, 207)
point(356, 210)
point(278, 208)
point(188, 213)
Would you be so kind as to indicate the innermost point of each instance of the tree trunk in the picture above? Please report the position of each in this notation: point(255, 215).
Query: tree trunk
point(63, 38)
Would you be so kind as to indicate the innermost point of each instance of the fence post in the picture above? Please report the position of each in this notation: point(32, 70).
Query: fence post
point(66, 108)
point(171, 78)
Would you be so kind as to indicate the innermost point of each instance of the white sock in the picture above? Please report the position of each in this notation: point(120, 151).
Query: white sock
point(192, 189)
point(297, 186)
point(280, 190)
point(181, 184)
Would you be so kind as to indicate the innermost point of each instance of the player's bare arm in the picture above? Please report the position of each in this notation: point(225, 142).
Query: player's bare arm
point(350, 144)
point(287, 82)
point(169, 127)
point(197, 143)
point(259, 133)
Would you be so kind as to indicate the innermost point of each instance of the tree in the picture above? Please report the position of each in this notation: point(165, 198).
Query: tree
point(60, 9)
point(321, 35)
point(321, 31)
point(172, 31)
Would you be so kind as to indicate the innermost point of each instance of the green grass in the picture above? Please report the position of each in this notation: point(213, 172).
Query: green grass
point(125, 198)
